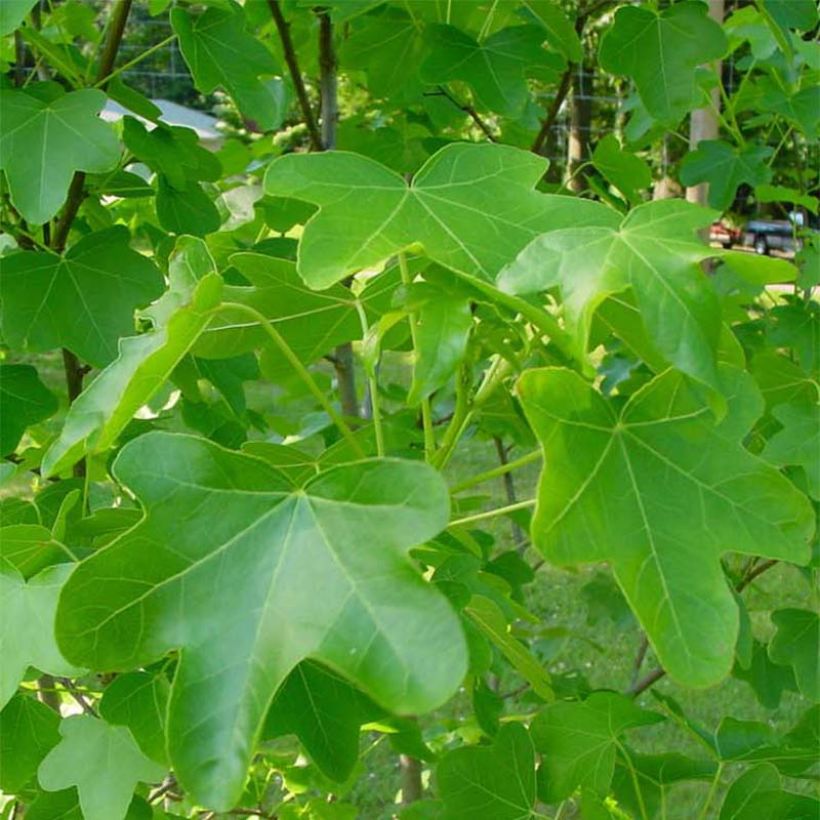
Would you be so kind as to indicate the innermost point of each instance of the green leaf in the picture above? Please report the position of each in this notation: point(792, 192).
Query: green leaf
point(311, 323)
point(490, 620)
point(655, 253)
point(89, 747)
point(627, 172)
point(62, 805)
point(798, 443)
point(661, 491)
point(660, 52)
point(173, 152)
point(725, 168)
point(27, 626)
point(234, 517)
point(494, 69)
point(102, 411)
point(189, 211)
point(443, 329)
point(471, 207)
point(388, 48)
point(496, 781)
point(24, 400)
point(45, 139)
point(560, 32)
point(758, 792)
point(220, 52)
point(28, 548)
point(767, 679)
point(28, 731)
point(779, 193)
point(326, 713)
point(84, 300)
point(796, 644)
point(799, 14)
point(578, 741)
point(12, 13)
point(139, 701)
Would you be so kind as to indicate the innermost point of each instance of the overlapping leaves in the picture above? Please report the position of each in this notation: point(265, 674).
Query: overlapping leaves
point(244, 567)
point(471, 208)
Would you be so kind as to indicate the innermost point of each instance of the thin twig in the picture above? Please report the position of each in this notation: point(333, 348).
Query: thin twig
point(656, 674)
point(469, 111)
point(78, 696)
point(639, 659)
point(76, 189)
point(283, 26)
point(552, 113)
point(509, 488)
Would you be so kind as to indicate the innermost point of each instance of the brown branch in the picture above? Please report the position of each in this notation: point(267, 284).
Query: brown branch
point(470, 112)
point(563, 87)
point(656, 674)
point(77, 695)
point(76, 189)
point(283, 26)
point(552, 113)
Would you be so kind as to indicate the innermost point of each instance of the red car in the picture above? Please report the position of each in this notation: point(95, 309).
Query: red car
point(724, 235)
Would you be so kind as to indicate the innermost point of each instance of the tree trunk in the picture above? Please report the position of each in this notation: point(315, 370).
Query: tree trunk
point(703, 124)
point(343, 358)
point(580, 118)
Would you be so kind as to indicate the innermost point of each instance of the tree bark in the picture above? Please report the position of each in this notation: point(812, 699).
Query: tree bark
point(580, 119)
point(328, 86)
point(703, 124)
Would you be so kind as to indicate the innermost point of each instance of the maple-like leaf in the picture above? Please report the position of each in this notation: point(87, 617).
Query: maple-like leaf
point(247, 575)
point(661, 491)
point(471, 207)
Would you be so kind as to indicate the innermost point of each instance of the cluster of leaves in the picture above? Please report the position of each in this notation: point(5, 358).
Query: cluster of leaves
point(317, 342)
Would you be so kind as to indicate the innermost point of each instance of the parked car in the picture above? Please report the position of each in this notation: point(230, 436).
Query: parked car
point(767, 234)
point(724, 234)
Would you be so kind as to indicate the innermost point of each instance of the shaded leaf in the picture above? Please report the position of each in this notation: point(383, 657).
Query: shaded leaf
point(797, 644)
point(24, 400)
point(626, 171)
point(220, 52)
point(139, 701)
point(495, 781)
point(578, 741)
point(758, 792)
point(325, 713)
point(725, 168)
point(84, 300)
point(102, 411)
point(28, 730)
point(660, 51)
point(494, 68)
point(798, 443)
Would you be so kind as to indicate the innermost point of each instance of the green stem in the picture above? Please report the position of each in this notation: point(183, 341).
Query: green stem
point(426, 409)
point(537, 316)
point(301, 370)
point(520, 505)
point(712, 791)
point(373, 386)
point(458, 423)
point(496, 471)
point(136, 61)
point(633, 776)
